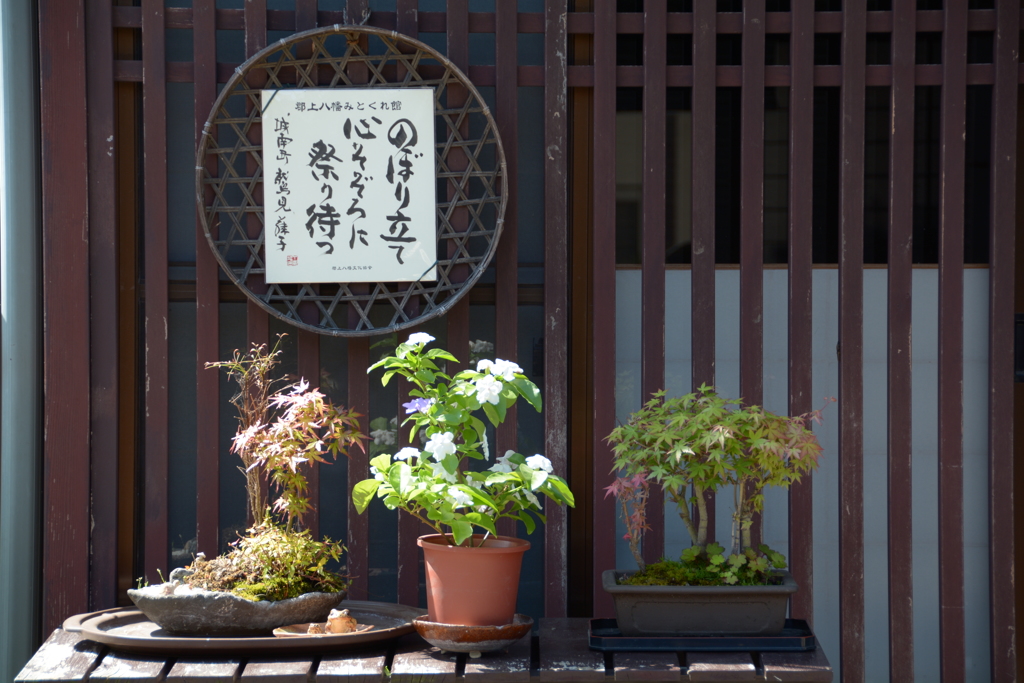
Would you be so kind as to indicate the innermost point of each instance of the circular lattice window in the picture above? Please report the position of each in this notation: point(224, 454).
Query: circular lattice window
point(466, 191)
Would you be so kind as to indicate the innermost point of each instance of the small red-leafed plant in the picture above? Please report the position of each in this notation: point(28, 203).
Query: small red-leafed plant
point(280, 434)
point(702, 442)
point(307, 428)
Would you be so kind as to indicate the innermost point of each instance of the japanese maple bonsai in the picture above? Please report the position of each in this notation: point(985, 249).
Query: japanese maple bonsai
point(277, 561)
point(689, 446)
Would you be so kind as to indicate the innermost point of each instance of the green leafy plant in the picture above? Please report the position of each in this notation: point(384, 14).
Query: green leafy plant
point(702, 442)
point(432, 484)
point(271, 562)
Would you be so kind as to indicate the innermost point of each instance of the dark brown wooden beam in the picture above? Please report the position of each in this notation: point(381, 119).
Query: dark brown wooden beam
point(157, 421)
point(103, 296)
point(899, 394)
point(652, 332)
point(952, 157)
point(206, 296)
point(66, 389)
point(851, 334)
point(752, 217)
point(1002, 247)
point(603, 299)
point(702, 275)
point(801, 177)
point(556, 298)
point(506, 260)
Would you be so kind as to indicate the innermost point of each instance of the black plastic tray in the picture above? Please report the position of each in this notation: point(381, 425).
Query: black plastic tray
point(796, 636)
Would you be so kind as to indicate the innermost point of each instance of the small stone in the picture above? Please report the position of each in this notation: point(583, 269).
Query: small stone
point(180, 574)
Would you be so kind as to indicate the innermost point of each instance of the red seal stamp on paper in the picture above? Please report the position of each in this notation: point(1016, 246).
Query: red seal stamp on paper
point(292, 260)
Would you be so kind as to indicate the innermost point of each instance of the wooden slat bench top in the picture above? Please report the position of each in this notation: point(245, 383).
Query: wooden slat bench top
point(557, 652)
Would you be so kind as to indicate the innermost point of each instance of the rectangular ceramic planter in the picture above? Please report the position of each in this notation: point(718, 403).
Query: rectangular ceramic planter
point(699, 610)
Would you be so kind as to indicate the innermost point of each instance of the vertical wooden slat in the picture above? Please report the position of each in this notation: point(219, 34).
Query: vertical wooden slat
point(951, 325)
point(408, 529)
point(653, 242)
point(308, 342)
point(702, 269)
point(506, 260)
point(752, 215)
point(204, 44)
point(801, 177)
point(1002, 246)
point(458, 52)
point(851, 327)
point(408, 18)
point(305, 14)
point(257, 322)
point(65, 561)
point(103, 399)
point(154, 113)
point(901, 222)
point(358, 556)
point(556, 284)
point(255, 14)
point(603, 296)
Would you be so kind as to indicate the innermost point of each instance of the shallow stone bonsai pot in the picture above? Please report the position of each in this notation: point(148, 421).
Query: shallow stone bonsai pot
point(213, 613)
point(699, 610)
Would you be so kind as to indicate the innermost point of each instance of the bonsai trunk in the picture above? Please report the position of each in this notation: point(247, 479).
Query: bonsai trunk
point(697, 536)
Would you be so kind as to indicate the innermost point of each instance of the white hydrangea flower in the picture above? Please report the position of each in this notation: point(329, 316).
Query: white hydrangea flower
point(384, 437)
point(502, 464)
point(480, 346)
point(459, 497)
point(505, 369)
point(419, 338)
point(487, 389)
point(441, 473)
point(407, 453)
point(440, 445)
point(484, 365)
point(539, 462)
point(376, 473)
point(485, 448)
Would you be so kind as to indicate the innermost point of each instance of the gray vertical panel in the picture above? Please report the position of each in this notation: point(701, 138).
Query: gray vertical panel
point(20, 363)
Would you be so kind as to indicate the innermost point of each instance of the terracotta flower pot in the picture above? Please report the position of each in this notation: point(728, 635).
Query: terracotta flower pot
point(472, 586)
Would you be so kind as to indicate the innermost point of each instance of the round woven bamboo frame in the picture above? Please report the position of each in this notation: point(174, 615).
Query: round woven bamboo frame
point(469, 160)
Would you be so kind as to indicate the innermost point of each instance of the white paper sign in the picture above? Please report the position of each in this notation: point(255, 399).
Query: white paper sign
point(349, 185)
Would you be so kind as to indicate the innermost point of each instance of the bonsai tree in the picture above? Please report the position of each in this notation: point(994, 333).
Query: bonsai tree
point(702, 442)
point(279, 435)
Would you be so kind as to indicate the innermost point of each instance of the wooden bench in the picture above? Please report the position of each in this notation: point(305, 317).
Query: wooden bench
point(558, 651)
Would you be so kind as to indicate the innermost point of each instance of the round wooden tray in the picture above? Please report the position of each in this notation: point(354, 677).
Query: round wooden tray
point(126, 628)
